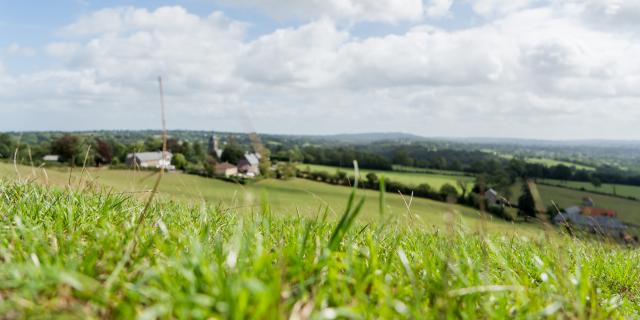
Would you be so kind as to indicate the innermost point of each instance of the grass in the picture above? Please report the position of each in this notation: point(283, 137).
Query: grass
point(620, 189)
point(411, 178)
point(61, 253)
point(293, 197)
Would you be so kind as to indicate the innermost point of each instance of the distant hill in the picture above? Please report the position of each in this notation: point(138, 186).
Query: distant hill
point(364, 138)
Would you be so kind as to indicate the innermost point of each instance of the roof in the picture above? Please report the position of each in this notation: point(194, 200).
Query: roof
point(573, 210)
point(224, 166)
point(590, 211)
point(491, 192)
point(598, 222)
point(149, 156)
point(252, 158)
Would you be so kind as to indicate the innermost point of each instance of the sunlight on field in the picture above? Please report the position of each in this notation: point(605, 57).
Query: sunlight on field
point(291, 197)
point(412, 178)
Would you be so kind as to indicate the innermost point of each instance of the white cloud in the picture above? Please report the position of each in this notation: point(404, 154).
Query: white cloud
point(543, 67)
point(390, 11)
point(438, 8)
point(15, 49)
point(490, 8)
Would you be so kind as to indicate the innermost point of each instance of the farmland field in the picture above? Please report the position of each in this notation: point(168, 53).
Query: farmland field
point(628, 210)
point(545, 161)
point(411, 178)
point(296, 196)
point(620, 190)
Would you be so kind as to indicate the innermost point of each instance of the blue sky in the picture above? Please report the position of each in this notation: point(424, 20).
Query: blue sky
point(502, 68)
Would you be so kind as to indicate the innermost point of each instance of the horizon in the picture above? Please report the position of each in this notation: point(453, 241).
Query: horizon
point(531, 69)
point(443, 138)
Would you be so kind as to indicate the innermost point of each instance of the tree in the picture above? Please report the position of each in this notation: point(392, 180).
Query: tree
point(198, 153)
point(424, 189)
point(372, 179)
point(526, 203)
point(7, 146)
point(596, 182)
point(448, 191)
point(104, 152)
point(285, 170)
point(67, 147)
point(462, 184)
point(232, 153)
point(561, 172)
point(210, 166)
point(179, 161)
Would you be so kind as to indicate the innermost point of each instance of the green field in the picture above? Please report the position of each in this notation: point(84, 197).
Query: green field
point(617, 189)
point(293, 197)
point(546, 161)
point(628, 210)
point(411, 178)
point(85, 254)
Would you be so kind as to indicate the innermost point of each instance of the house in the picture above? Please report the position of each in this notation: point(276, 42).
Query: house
point(591, 211)
point(51, 158)
point(249, 165)
point(588, 202)
point(151, 160)
point(226, 169)
point(492, 197)
point(605, 225)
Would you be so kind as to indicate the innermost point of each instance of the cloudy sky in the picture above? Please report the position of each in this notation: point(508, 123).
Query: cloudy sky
point(491, 68)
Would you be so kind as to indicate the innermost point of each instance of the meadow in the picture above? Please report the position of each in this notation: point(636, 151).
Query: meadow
point(86, 252)
point(410, 178)
point(292, 197)
point(545, 161)
point(614, 189)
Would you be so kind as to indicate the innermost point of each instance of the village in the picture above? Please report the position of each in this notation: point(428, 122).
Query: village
point(247, 166)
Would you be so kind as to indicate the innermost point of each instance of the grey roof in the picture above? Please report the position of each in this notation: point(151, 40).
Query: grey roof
point(584, 221)
point(252, 158)
point(573, 210)
point(491, 192)
point(149, 156)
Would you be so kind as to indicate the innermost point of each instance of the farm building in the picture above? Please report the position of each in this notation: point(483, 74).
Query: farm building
point(591, 211)
point(51, 158)
point(494, 198)
point(249, 165)
point(226, 169)
point(151, 160)
point(596, 224)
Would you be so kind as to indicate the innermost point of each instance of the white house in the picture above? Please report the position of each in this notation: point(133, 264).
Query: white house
point(492, 197)
point(151, 160)
point(226, 169)
point(51, 158)
point(249, 165)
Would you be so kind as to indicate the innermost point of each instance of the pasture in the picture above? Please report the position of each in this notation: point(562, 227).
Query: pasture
point(410, 178)
point(86, 253)
point(292, 197)
point(614, 189)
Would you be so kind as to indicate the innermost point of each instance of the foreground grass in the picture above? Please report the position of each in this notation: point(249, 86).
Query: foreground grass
point(287, 198)
point(68, 253)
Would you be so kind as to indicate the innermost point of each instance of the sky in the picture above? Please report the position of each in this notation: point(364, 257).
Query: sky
point(440, 68)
